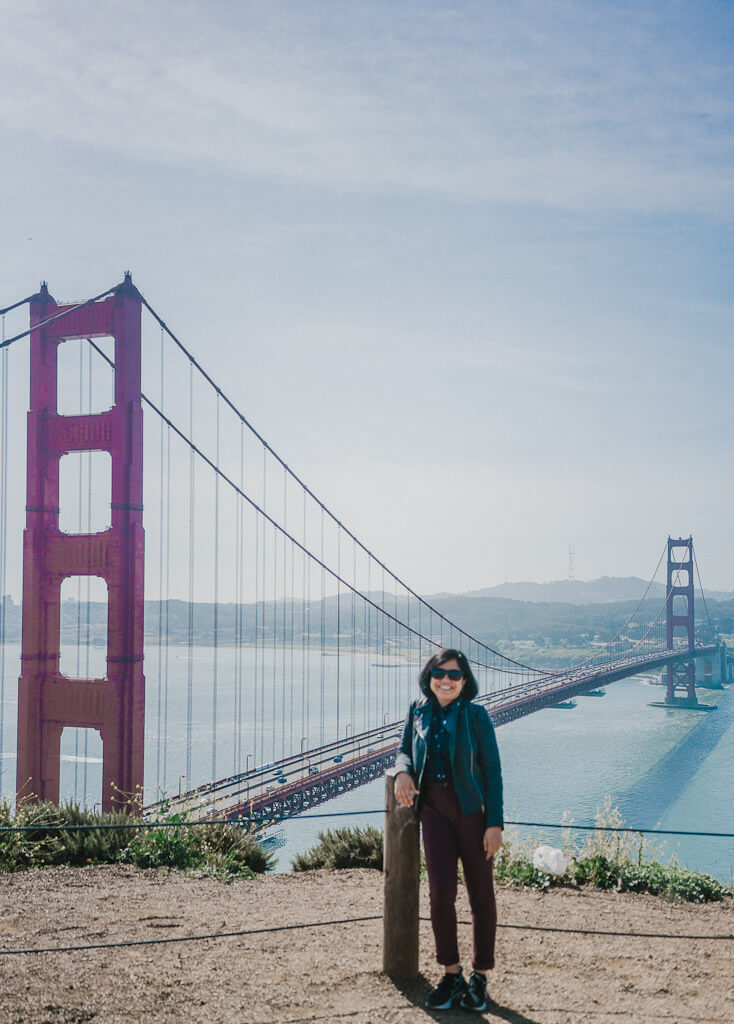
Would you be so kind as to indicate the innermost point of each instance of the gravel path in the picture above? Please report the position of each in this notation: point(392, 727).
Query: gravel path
point(333, 973)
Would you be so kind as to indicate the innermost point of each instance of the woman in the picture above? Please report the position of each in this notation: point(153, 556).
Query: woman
point(448, 758)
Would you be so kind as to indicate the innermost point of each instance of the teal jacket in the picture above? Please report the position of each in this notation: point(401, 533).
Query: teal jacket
point(475, 759)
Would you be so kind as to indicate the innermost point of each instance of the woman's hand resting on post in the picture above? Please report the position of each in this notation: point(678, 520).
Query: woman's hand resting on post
point(492, 841)
point(405, 791)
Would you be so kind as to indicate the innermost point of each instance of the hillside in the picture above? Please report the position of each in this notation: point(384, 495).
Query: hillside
point(547, 633)
point(605, 590)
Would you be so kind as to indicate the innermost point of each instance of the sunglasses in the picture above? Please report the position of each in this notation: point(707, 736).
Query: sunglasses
point(453, 673)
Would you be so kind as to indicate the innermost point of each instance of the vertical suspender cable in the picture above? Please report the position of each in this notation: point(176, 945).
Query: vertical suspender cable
point(270, 530)
point(394, 690)
point(242, 598)
point(239, 614)
point(236, 638)
point(274, 641)
point(215, 663)
point(322, 708)
point(384, 629)
point(256, 713)
point(338, 625)
point(288, 704)
point(80, 528)
point(409, 650)
point(306, 725)
point(190, 662)
point(353, 634)
point(89, 578)
point(3, 530)
point(168, 606)
point(292, 633)
point(368, 648)
point(159, 702)
point(263, 561)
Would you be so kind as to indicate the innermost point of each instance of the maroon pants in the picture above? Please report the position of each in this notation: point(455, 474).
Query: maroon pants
point(447, 836)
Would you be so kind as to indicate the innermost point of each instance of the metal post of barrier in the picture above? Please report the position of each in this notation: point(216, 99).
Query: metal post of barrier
point(401, 865)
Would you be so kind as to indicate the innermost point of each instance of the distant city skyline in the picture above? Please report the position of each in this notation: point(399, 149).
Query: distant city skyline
point(466, 267)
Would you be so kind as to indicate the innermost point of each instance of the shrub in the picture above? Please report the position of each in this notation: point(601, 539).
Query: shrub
point(611, 860)
point(224, 850)
point(343, 848)
point(671, 882)
point(37, 846)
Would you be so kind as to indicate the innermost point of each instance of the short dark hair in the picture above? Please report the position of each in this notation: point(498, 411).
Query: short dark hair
point(471, 688)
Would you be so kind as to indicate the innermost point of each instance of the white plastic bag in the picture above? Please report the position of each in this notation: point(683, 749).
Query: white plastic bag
point(550, 860)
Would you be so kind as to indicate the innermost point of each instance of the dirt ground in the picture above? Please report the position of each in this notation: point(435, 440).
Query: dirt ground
point(333, 973)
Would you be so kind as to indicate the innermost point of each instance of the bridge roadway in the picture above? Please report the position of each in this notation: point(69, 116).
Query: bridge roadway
point(297, 783)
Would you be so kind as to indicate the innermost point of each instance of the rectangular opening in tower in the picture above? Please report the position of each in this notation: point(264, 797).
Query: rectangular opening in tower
point(85, 492)
point(681, 577)
point(85, 380)
point(680, 605)
point(80, 777)
point(83, 639)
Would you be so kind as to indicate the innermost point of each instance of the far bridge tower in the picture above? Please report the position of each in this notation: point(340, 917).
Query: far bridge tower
point(679, 612)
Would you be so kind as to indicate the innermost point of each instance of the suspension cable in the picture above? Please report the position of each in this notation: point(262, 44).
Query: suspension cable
point(334, 518)
point(6, 342)
point(542, 674)
point(703, 596)
point(15, 305)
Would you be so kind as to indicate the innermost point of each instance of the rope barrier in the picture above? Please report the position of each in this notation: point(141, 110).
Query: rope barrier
point(189, 938)
point(599, 931)
point(241, 933)
point(270, 819)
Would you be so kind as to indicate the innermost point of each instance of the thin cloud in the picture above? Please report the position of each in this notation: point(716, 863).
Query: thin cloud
point(576, 108)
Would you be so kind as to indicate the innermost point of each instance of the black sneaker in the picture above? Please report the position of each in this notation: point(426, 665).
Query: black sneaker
point(449, 989)
point(476, 993)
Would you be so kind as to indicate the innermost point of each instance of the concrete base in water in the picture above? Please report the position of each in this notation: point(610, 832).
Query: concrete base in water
point(682, 704)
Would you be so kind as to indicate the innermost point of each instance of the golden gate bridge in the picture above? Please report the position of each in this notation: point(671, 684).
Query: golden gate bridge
point(281, 651)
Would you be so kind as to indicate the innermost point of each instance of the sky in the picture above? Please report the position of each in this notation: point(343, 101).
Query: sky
point(466, 266)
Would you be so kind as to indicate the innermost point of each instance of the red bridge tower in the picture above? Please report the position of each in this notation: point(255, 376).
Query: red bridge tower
point(48, 701)
point(679, 619)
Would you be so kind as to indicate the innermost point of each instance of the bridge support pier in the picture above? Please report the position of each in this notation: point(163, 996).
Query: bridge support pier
point(714, 670)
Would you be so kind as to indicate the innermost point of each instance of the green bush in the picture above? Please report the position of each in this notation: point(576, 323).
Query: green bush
point(343, 848)
point(224, 850)
point(672, 882)
point(610, 858)
point(39, 847)
point(210, 849)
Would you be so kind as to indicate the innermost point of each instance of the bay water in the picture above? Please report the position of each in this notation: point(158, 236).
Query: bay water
point(661, 768)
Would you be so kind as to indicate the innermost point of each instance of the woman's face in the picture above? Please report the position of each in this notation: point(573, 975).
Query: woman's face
point(445, 690)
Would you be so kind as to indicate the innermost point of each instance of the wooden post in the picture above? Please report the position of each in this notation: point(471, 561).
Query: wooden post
point(402, 882)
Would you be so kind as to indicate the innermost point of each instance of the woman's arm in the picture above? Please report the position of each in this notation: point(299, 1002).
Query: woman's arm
point(404, 756)
point(405, 789)
point(489, 759)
